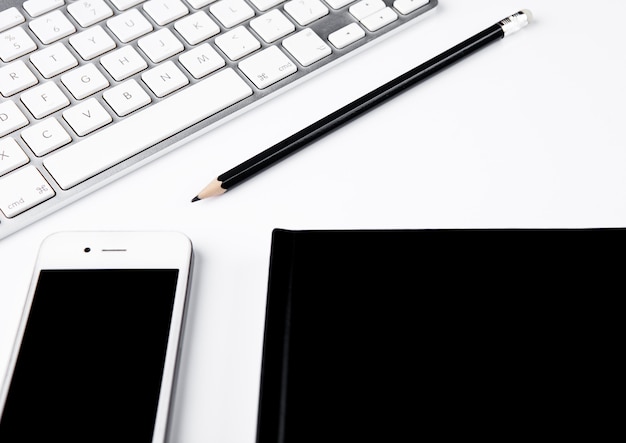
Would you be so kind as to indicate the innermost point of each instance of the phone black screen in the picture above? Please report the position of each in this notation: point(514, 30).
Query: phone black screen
point(92, 357)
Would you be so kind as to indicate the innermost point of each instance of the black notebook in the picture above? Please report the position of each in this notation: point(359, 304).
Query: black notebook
point(407, 335)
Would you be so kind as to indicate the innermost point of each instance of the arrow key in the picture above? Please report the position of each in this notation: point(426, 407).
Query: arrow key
point(346, 35)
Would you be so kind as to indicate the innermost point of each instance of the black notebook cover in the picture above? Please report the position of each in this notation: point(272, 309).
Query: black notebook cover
point(402, 335)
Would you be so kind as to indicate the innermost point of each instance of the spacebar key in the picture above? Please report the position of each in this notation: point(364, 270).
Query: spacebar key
point(145, 128)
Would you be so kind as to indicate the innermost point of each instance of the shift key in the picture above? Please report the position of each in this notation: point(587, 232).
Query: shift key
point(23, 189)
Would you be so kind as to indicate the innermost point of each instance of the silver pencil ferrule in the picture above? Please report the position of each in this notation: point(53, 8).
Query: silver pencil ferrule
point(515, 22)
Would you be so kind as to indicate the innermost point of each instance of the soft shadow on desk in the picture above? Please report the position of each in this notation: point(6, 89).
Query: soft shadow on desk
point(400, 335)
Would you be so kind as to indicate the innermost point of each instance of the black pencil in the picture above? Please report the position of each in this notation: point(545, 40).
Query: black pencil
point(332, 121)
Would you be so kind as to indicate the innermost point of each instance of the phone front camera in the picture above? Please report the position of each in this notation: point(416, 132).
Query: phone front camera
point(87, 249)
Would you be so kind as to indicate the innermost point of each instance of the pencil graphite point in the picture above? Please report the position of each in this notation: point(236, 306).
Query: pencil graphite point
point(212, 189)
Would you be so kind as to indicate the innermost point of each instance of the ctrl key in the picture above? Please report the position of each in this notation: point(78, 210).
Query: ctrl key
point(23, 189)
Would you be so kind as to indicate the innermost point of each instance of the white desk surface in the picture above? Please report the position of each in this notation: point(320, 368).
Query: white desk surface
point(529, 132)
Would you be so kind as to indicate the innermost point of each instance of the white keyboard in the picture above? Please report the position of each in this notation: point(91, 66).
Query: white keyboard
point(92, 89)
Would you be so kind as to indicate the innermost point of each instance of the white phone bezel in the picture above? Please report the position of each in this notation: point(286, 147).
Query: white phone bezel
point(119, 250)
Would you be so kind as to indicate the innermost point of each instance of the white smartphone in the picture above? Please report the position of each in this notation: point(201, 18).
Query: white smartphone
point(95, 358)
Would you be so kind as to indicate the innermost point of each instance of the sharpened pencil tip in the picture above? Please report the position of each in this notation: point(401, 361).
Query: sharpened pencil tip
point(195, 199)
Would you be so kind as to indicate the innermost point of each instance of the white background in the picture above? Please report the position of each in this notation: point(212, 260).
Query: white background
point(526, 133)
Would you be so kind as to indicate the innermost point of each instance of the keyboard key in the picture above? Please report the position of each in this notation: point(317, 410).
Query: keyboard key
point(89, 12)
point(53, 60)
point(307, 47)
point(165, 11)
point(123, 63)
point(11, 155)
point(23, 189)
point(199, 3)
point(231, 12)
point(202, 60)
point(14, 43)
point(364, 8)
point(84, 81)
point(129, 25)
point(164, 79)
point(44, 99)
point(336, 4)
point(264, 5)
point(45, 136)
point(122, 5)
point(15, 78)
point(126, 98)
point(87, 116)
point(272, 26)
point(346, 35)
point(408, 6)
point(267, 67)
point(196, 27)
point(306, 11)
point(52, 27)
point(160, 45)
point(11, 118)
point(79, 162)
point(91, 43)
point(379, 19)
point(37, 7)
point(9, 18)
point(237, 43)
